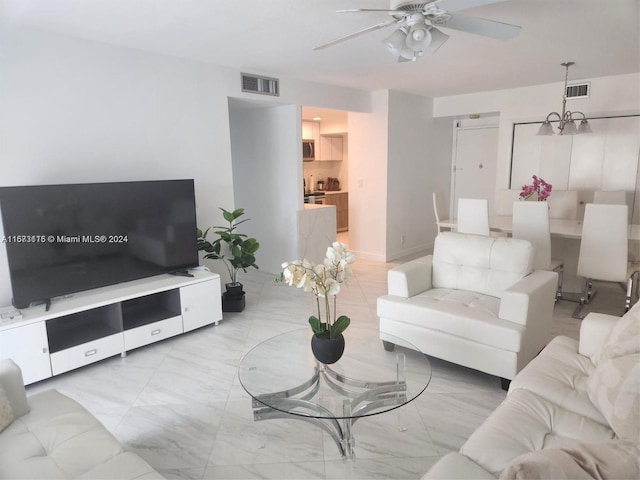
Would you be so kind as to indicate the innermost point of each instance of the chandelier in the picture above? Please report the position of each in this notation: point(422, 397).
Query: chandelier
point(567, 125)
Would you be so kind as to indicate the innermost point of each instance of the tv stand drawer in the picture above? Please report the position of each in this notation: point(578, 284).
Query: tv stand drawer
point(153, 332)
point(86, 353)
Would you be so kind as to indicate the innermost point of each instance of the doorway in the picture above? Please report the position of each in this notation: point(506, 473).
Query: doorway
point(329, 172)
point(475, 152)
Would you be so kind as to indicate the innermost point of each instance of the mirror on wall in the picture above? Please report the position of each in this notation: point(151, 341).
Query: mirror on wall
point(606, 159)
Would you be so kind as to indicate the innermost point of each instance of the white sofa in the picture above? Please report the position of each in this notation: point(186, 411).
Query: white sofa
point(573, 412)
point(475, 302)
point(50, 435)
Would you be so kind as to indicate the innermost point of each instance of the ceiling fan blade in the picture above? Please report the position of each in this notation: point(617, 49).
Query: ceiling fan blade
point(356, 10)
point(481, 26)
point(359, 32)
point(454, 5)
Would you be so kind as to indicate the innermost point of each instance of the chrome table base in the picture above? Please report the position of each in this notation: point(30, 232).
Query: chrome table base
point(361, 399)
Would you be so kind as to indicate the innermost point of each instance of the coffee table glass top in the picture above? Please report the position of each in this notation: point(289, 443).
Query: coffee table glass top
point(281, 373)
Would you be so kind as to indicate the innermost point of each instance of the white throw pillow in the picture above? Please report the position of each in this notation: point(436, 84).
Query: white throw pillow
point(614, 386)
point(6, 412)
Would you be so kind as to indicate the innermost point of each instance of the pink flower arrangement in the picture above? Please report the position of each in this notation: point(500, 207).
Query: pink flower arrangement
point(539, 187)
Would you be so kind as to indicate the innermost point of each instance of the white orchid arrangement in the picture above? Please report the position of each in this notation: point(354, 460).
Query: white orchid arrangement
point(324, 280)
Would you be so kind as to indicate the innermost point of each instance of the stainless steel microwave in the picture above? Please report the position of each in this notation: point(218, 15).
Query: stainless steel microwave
point(308, 150)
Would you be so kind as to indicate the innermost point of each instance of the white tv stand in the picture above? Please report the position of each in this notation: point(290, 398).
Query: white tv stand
point(93, 325)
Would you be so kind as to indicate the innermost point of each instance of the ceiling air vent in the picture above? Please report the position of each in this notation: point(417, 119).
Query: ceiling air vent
point(578, 90)
point(261, 85)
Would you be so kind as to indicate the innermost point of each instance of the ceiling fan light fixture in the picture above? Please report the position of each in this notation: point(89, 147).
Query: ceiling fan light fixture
point(418, 38)
point(396, 41)
point(437, 39)
point(409, 55)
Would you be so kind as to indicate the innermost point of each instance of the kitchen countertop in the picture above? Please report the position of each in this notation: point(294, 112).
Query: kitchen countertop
point(313, 206)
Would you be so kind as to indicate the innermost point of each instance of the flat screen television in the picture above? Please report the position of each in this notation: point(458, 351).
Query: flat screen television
point(62, 239)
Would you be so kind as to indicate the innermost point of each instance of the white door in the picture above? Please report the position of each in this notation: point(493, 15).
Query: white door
point(475, 153)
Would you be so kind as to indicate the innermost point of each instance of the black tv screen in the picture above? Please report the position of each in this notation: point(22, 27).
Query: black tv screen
point(62, 239)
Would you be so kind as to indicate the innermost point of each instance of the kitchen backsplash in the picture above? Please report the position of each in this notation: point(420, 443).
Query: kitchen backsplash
point(324, 170)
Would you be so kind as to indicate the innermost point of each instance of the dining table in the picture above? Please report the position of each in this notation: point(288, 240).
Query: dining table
point(559, 227)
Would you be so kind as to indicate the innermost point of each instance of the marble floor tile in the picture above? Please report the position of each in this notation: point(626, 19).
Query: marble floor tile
point(179, 403)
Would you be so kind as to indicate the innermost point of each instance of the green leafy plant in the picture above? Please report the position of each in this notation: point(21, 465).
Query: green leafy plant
point(236, 250)
point(324, 281)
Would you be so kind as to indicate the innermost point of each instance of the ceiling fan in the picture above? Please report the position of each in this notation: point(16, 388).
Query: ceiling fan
point(416, 22)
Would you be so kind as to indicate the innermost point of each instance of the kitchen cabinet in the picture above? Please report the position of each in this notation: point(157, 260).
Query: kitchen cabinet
point(311, 131)
point(341, 202)
point(331, 147)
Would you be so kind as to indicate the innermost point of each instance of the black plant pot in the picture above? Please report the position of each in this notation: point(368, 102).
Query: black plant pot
point(327, 350)
point(233, 299)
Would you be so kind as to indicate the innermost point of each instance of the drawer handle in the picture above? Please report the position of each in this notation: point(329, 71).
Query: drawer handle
point(156, 332)
point(90, 352)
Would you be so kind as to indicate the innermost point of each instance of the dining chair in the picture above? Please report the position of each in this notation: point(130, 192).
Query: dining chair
point(604, 251)
point(531, 222)
point(563, 204)
point(503, 201)
point(618, 197)
point(439, 210)
point(473, 216)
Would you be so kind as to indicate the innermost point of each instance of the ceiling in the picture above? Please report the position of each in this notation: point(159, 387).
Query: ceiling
point(275, 38)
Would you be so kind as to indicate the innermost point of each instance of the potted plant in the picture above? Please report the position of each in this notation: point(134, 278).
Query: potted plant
point(539, 188)
point(324, 281)
point(237, 252)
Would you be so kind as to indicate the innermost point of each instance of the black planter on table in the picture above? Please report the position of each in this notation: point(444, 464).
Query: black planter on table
point(327, 350)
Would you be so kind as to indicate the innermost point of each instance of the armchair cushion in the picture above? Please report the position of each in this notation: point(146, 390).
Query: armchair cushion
point(459, 313)
point(487, 265)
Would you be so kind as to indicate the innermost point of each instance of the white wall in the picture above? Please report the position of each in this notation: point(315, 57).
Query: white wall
point(410, 217)
point(368, 151)
point(608, 96)
point(266, 153)
point(75, 111)
point(82, 112)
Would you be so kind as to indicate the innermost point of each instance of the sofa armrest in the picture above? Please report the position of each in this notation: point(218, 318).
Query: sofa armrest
point(410, 278)
point(594, 330)
point(530, 299)
point(11, 381)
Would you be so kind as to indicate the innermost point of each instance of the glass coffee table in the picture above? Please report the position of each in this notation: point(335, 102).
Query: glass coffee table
point(286, 381)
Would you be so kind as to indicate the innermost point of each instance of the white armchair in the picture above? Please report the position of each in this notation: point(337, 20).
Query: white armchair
point(475, 302)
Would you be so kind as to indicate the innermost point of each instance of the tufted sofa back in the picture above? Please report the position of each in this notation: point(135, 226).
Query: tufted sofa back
point(487, 265)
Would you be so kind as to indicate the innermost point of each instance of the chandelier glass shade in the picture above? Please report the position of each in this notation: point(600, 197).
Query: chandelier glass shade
point(566, 119)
